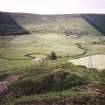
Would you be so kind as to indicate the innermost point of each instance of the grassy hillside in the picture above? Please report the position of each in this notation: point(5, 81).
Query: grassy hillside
point(59, 81)
point(9, 26)
point(72, 24)
point(97, 21)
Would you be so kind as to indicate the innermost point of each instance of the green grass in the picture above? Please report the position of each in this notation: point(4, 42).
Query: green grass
point(38, 82)
point(72, 25)
point(13, 49)
point(54, 96)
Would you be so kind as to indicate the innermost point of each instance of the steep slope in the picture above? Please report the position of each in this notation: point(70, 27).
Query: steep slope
point(8, 25)
point(97, 21)
point(69, 23)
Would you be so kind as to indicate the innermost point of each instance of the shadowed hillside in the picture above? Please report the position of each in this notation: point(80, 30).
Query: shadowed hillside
point(97, 21)
point(8, 25)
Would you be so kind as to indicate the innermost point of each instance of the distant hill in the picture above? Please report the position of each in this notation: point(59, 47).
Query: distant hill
point(78, 24)
point(9, 26)
point(97, 20)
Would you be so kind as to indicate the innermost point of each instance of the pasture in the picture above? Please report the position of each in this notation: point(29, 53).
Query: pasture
point(14, 49)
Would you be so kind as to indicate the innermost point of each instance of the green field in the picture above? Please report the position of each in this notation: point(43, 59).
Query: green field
point(13, 50)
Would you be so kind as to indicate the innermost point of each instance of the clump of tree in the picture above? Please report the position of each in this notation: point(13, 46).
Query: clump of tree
point(52, 56)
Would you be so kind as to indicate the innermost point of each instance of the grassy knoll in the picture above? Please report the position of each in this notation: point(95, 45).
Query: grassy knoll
point(54, 80)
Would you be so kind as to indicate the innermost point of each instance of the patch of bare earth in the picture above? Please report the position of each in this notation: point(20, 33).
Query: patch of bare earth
point(4, 84)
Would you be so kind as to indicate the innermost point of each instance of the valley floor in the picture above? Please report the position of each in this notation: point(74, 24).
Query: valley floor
point(21, 50)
